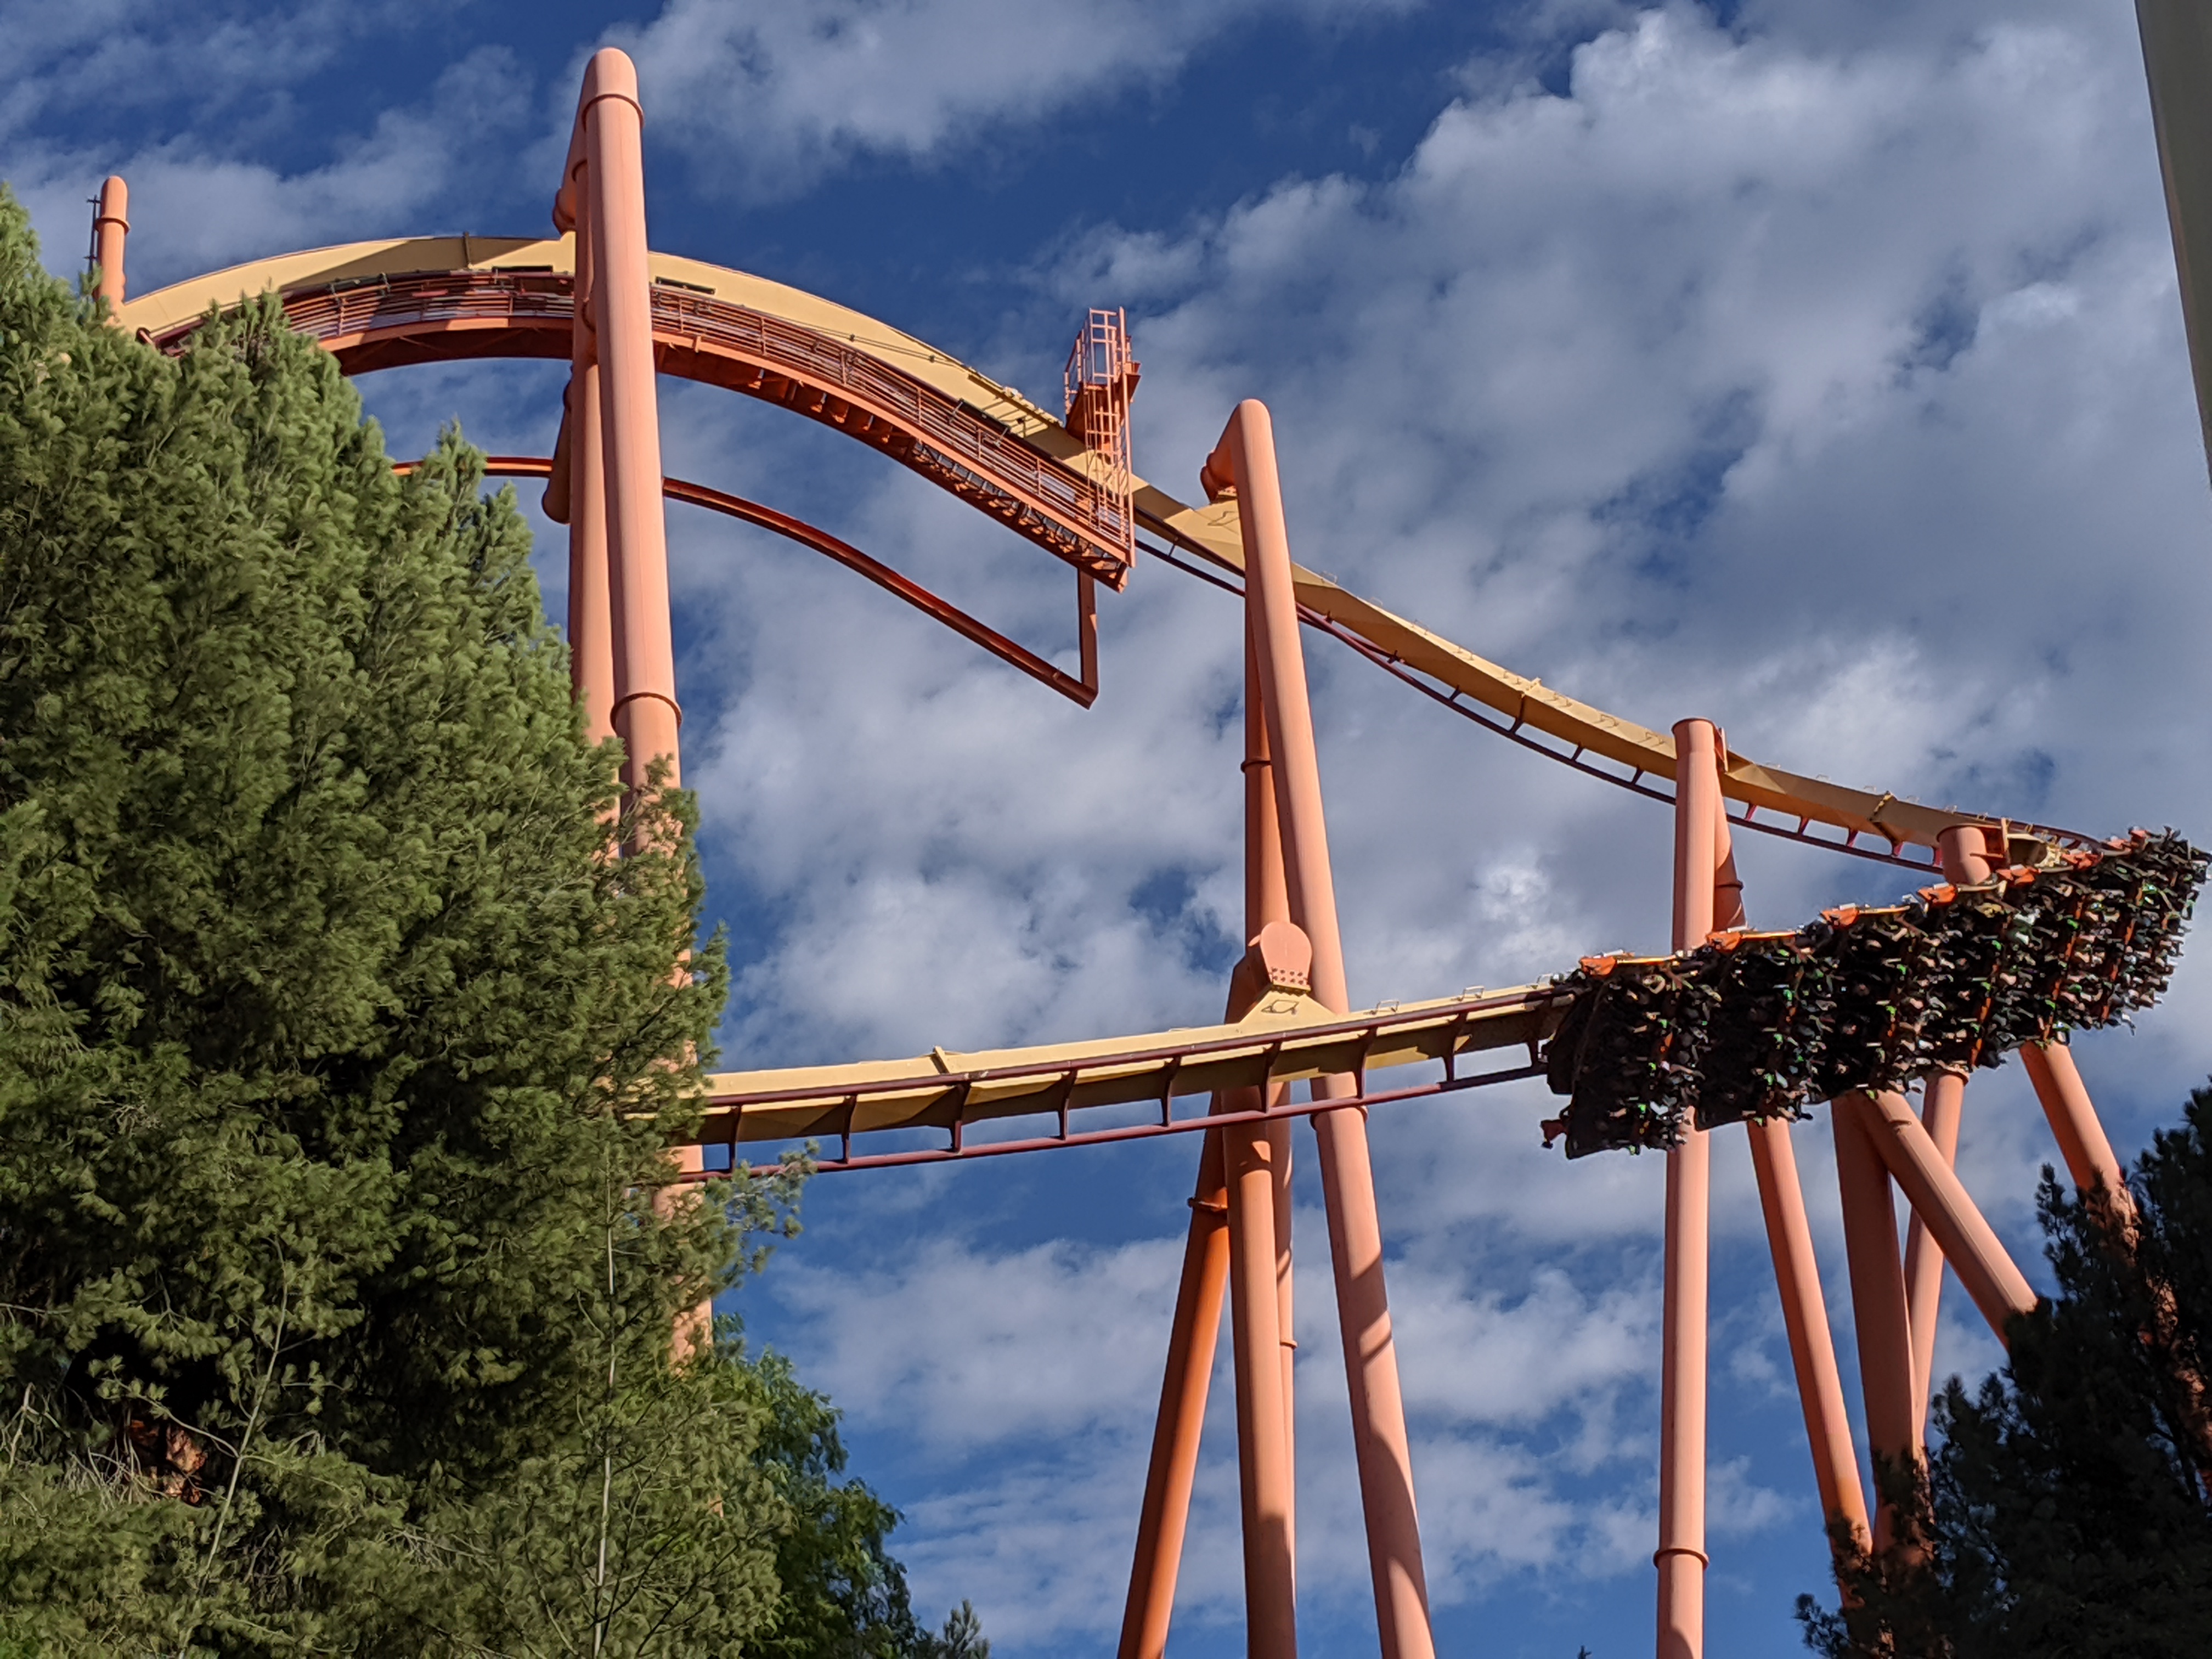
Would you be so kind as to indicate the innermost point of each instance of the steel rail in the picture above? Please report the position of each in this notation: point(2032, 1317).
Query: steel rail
point(442, 299)
point(1285, 1039)
point(807, 535)
point(1179, 1125)
point(1529, 704)
point(1890, 853)
point(390, 319)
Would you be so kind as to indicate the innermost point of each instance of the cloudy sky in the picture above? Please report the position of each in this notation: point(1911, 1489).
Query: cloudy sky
point(1810, 365)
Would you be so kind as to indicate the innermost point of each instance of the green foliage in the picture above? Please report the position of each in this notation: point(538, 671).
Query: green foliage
point(844, 1593)
point(338, 1260)
point(2065, 1510)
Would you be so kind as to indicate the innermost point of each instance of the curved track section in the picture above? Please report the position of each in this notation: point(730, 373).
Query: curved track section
point(379, 305)
point(383, 305)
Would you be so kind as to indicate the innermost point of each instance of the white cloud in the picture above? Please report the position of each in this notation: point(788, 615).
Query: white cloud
point(1833, 389)
point(770, 98)
point(116, 57)
point(1821, 374)
point(1024, 1381)
point(962, 1348)
point(1476, 1355)
point(204, 194)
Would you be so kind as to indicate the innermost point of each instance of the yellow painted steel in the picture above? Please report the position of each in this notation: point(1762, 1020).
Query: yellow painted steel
point(1287, 1038)
point(1211, 531)
point(1002, 406)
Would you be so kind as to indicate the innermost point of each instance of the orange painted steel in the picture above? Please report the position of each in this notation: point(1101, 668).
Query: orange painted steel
point(622, 314)
point(1258, 1158)
point(1797, 1270)
point(1877, 1279)
point(1165, 1516)
point(1083, 692)
point(2065, 1099)
point(618, 545)
point(1245, 458)
point(1968, 1242)
point(1265, 1477)
point(110, 230)
point(970, 1150)
point(1267, 915)
point(1238, 1176)
point(379, 305)
point(582, 488)
point(1098, 382)
point(1943, 1102)
point(610, 129)
point(1681, 1557)
point(1287, 1038)
point(1805, 1318)
point(372, 323)
point(1728, 885)
point(384, 304)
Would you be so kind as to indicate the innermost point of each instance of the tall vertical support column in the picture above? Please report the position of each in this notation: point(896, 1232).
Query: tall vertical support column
point(1943, 1105)
point(110, 228)
point(1163, 1522)
point(1267, 900)
point(576, 495)
point(645, 711)
point(1797, 1279)
point(1259, 1240)
point(1878, 1308)
point(1244, 461)
point(1680, 1556)
point(1265, 1477)
point(604, 192)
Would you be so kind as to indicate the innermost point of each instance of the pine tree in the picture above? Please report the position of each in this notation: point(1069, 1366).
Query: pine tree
point(337, 1059)
point(2062, 1512)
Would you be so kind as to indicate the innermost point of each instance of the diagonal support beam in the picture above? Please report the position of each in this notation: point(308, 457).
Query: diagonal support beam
point(1878, 1307)
point(1805, 1317)
point(1964, 849)
point(1998, 1287)
point(2081, 1140)
point(1797, 1270)
point(1173, 1469)
point(1244, 461)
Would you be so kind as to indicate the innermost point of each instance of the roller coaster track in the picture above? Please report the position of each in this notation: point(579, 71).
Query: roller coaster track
point(2035, 932)
point(1287, 1038)
point(383, 304)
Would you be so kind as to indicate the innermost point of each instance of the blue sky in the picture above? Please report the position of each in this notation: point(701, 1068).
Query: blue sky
point(1812, 366)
